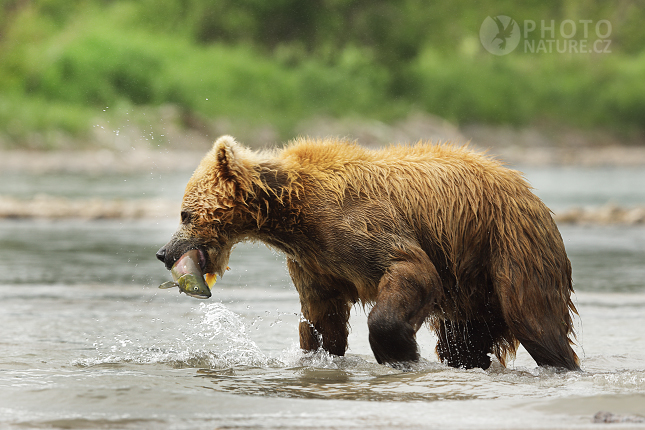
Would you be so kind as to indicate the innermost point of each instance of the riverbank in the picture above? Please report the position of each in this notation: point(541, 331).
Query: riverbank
point(138, 159)
point(55, 208)
point(524, 149)
point(132, 149)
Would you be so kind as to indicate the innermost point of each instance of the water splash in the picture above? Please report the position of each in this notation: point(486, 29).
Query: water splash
point(224, 330)
point(219, 340)
point(621, 381)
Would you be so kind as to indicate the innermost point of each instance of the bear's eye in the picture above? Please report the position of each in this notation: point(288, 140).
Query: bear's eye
point(185, 217)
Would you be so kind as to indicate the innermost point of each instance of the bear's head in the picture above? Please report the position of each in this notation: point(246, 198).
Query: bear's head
point(219, 207)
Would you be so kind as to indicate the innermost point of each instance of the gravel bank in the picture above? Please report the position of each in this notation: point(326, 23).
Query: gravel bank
point(51, 207)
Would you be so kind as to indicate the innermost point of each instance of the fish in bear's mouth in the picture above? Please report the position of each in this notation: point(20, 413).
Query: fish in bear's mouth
point(188, 276)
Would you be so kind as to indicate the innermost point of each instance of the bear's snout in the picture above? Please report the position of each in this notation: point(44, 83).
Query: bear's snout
point(174, 250)
point(161, 254)
point(167, 260)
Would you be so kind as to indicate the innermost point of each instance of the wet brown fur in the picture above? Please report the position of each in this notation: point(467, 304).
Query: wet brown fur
point(424, 233)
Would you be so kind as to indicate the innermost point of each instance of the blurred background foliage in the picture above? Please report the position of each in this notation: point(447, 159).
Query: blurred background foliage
point(65, 63)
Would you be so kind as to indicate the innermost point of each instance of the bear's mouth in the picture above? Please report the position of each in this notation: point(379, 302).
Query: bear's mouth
point(188, 274)
point(201, 258)
point(209, 277)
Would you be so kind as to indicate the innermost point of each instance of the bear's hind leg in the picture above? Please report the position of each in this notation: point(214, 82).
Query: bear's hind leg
point(407, 293)
point(541, 321)
point(548, 345)
point(467, 344)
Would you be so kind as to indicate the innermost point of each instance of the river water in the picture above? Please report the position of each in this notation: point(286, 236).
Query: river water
point(88, 341)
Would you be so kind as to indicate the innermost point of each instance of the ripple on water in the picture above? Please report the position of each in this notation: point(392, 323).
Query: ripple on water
point(220, 348)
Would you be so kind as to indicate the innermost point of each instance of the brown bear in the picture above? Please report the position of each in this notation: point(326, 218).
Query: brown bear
point(424, 233)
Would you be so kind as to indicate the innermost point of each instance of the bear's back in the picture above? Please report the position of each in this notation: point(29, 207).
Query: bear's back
point(445, 170)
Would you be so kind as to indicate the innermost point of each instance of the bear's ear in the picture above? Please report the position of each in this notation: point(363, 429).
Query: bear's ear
point(224, 150)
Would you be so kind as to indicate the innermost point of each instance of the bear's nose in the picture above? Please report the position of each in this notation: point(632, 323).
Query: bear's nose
point(161, 255)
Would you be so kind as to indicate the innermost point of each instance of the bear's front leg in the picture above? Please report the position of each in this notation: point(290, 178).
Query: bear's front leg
point(325, 311)
point(324, 325)
point(408, 291)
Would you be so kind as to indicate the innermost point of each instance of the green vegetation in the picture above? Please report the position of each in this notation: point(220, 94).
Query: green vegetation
point(65, 63)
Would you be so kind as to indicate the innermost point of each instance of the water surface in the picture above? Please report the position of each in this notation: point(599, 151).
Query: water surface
point(88, 340)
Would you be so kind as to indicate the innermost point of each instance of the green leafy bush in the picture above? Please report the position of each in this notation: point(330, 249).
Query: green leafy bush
point(62, 63)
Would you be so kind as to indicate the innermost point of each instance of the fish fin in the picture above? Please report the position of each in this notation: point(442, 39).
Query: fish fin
point(169, 284)
point(210, 279)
